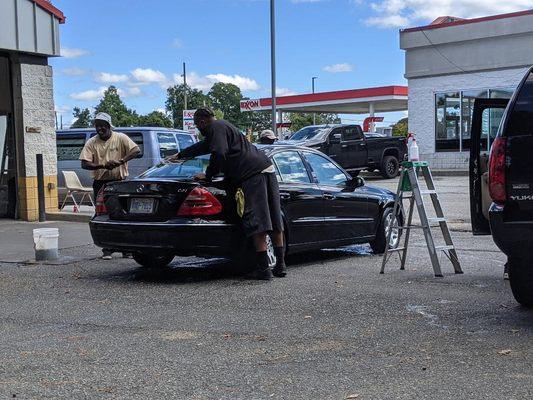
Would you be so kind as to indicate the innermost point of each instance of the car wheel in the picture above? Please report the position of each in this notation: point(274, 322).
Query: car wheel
point(521, 279)
point(245, 259)
point(390, 167)
point(386, 224)
point(153, 260)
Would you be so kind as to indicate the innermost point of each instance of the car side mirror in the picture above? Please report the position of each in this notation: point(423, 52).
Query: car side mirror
point(335, 138)
point(356, 182)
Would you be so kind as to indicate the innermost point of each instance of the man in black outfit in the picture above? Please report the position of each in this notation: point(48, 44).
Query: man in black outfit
point(247, 168)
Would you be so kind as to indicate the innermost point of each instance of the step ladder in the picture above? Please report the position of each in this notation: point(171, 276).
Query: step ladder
point(409, 188)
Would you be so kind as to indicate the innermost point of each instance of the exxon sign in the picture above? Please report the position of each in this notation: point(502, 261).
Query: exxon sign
point(250, 105)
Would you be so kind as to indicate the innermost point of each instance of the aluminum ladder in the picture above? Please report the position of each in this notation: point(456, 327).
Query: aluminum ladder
point(409, 184)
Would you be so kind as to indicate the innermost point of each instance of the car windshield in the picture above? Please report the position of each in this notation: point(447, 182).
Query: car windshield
point(181, 169)
point(307, 133)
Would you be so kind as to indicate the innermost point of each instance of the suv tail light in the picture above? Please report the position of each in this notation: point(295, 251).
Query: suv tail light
point(200, 202)
point(100, 208)
point(497, 170)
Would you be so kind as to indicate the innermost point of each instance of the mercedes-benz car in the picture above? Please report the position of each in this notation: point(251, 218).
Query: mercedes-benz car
point(164, 212)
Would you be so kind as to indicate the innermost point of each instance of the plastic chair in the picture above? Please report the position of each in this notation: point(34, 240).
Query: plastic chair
point(73, 184)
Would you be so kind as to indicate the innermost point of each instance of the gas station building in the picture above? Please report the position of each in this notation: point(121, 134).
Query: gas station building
point(29, 34)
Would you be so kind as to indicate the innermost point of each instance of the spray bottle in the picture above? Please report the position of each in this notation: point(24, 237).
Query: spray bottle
point(412, 148)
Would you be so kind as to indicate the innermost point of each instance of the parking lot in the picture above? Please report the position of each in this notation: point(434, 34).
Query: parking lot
point(333, 329)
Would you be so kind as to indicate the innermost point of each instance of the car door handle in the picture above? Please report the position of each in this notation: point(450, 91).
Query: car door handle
point(344, 146)
point(328, 196)
point(285, 195)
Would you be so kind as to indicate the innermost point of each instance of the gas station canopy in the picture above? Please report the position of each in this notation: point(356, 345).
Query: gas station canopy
point(356, 101)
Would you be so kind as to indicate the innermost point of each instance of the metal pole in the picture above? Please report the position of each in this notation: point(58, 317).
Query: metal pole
point(40, 187)
point(185, 88)
point(313, 85)
point(273, 62)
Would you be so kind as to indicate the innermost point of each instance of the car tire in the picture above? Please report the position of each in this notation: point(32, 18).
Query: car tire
point(380, 242)
point(521, 280)
point(244, 260)
point(390, 167)
point(152, 260)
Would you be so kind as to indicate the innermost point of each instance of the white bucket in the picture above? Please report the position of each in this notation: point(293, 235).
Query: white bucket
point(45, 243)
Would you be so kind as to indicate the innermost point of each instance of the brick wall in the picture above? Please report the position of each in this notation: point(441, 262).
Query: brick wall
point(422, 109)
point(37, 114)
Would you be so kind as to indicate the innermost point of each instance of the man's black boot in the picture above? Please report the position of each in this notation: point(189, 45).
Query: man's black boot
point(262, 271)
point(279, 270)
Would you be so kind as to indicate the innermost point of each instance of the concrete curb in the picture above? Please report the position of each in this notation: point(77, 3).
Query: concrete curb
point(69, 217)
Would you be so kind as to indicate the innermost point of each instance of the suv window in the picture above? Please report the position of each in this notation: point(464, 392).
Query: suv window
point(352, 133)
point(184, 140)
point(325, 171)
point(521, 117)
point(167, 144)
point(69, 147)
point(291, 167)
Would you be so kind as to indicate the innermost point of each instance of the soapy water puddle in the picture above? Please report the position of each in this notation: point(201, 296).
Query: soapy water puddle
point(424, 311)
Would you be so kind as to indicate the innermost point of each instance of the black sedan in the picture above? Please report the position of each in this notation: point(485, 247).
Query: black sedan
point(164, 212)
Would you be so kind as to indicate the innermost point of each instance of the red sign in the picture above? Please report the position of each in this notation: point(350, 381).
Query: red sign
point(250, 105)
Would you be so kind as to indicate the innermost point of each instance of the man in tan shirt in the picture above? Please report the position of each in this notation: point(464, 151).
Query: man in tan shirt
point(106, 155)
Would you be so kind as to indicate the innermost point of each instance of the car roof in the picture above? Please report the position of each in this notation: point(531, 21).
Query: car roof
point(271, 148)
point(126, 129)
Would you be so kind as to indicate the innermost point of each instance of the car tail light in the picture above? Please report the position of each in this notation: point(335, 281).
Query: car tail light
point(100, 208)
point(497, 170)
point(200, 202)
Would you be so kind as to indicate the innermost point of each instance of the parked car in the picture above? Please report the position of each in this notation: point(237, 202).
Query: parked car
point(155, 145)
point(501, 184)
point(163, 212)
point(348, 146)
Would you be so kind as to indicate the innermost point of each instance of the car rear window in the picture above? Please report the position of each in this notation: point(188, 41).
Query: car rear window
point(521, 117)
point(182, 169)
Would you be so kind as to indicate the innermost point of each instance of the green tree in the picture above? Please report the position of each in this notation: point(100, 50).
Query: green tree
point(257, 120)
point(174, 103)
point(298, 121)
point(401, 128)
point(112, 104)
point(155, 118)
point(227, 97)
point(83, 118)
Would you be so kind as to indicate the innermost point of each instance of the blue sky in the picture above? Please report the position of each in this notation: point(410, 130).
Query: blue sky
point(140, 45)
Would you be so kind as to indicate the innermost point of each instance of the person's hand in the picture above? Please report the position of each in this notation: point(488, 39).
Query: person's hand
point(112, 164)
point(200, 177)
point(173, 158)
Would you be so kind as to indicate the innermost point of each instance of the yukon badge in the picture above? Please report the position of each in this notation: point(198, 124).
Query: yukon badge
point(522, 198)
point(140, 188)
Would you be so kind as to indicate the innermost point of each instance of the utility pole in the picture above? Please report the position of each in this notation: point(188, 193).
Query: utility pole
point(185, 88)
point(313, 89)
point(273, 62)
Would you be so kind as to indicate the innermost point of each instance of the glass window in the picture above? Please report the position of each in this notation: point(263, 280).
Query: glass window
point(448, 116)
point(137, 137)
point(291, 167)
point(184, 169)
point(69, 147)
point(167, 144)
point(325, 171)
point(352, 133)
point(184, 141)
point(521, 115)
point(501, 93)
point(467, 106)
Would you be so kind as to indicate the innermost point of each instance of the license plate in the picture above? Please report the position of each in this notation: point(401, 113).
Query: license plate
point(142, 206)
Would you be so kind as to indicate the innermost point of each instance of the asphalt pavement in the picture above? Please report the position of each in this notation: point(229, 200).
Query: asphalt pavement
point(334, 328)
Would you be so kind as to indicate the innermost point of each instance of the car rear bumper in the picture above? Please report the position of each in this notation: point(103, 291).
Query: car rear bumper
point(183, 238)
point(514, 238)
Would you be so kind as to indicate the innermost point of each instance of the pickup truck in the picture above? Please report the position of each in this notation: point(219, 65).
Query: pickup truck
point(352, 149)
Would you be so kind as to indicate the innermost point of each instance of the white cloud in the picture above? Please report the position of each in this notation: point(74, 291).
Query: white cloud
point(62, 109)
point(134, 91)
point(68, 52)
point(89, 95)
point(284, 92)
point(177, 43)
point(402, 13)
point(148, 76)
point(336, 68)
point(106, 77)
point(206, 82)
point(242, 82)
point(74, 71)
